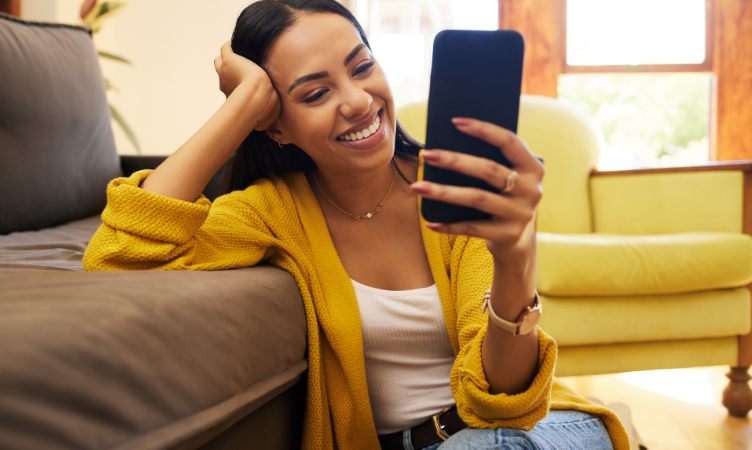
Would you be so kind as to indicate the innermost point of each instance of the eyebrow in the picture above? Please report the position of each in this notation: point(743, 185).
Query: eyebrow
point(353, 53)
point(319, 75)
point(307, 78)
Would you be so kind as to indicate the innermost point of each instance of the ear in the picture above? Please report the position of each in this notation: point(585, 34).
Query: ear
point(277, 135)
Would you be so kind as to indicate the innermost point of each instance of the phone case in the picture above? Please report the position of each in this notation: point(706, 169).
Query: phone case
point(476, 74)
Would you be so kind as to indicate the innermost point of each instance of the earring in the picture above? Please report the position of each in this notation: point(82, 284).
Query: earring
point(280, 144)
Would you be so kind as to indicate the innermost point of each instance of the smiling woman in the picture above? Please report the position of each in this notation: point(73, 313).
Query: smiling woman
point(257, 28)
point(401, 352)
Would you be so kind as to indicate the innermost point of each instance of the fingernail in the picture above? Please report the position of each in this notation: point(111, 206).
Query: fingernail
point(431, 155)
point(433, 226)
point(461, 121)
point(421, 187)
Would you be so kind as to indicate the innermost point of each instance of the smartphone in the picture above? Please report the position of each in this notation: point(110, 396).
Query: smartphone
point(476, 74)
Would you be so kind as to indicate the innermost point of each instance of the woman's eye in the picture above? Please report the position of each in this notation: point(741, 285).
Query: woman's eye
point(314, 97)
point(364, 67)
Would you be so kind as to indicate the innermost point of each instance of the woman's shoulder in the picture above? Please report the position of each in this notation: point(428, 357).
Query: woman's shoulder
point(267, 195)
point(272, 190)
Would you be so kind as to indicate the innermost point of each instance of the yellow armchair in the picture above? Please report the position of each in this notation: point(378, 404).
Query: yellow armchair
point(640, 269)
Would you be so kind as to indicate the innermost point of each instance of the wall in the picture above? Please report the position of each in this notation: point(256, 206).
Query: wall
point(40, 10)
point(172, 89)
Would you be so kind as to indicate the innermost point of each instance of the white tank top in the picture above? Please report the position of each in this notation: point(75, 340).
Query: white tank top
point(408, 355)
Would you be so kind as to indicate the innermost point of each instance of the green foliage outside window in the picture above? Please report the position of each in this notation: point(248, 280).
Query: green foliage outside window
point(648, 120)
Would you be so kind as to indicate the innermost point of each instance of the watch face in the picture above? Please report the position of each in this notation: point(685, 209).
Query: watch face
point(530, 321)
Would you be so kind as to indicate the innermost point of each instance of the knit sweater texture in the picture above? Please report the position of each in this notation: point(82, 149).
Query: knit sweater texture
point(279, 221)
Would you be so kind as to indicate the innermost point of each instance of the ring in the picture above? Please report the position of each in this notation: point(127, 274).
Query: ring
point(510, 182)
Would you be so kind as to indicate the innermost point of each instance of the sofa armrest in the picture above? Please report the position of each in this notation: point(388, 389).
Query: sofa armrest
point(133, 163)
point(710, 198)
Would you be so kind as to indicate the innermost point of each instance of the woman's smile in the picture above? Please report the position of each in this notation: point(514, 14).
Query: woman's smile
point(365, 134)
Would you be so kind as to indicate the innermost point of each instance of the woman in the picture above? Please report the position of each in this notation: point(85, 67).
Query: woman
point(321, 187)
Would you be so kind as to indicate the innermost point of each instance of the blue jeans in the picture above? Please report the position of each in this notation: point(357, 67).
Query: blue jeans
point(560, 430)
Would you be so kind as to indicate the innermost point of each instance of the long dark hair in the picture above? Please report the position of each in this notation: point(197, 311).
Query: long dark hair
point(257, 28)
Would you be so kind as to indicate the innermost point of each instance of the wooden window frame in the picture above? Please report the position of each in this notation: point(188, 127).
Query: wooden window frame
point(12, 7)
point(705, 66)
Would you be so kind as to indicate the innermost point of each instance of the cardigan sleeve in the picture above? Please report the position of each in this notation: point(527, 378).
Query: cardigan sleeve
point(142, 230)
point(472, 274)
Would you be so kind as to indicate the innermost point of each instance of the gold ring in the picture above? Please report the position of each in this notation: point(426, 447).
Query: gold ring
point(510, 182)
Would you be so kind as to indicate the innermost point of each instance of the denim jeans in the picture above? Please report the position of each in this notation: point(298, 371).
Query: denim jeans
point(560, 430)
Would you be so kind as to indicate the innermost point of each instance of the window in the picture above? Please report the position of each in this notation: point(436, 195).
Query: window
point(401, 33)
point(642, 70)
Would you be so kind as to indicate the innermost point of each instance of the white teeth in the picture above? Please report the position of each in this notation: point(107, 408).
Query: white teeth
point(362, 134)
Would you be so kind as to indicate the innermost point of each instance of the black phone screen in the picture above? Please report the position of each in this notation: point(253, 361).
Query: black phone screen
point(476, 74)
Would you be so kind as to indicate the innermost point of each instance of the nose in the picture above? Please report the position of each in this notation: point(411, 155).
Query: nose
point(355, 100)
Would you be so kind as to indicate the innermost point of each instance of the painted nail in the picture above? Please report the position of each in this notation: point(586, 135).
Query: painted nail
point(421, 187)
point(433, 226)
point(431, 155)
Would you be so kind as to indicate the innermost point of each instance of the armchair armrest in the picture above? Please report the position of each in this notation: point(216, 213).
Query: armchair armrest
point(714, 197)
point(743, 167)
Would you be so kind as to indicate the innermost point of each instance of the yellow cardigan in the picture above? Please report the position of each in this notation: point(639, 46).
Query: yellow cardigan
point(279, 221)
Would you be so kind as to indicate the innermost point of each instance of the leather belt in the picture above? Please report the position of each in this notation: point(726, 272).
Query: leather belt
point(436, 429)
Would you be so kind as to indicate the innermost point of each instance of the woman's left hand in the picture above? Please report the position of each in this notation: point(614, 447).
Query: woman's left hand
point(509, 235)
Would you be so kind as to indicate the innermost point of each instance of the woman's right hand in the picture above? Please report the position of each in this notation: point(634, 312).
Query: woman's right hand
point(234, 70)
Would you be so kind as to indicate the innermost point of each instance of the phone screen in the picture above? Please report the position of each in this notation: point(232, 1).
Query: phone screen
point(476, 74)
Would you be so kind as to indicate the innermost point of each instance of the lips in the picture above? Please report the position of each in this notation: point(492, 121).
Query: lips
point(366, 142)
point(362, 130)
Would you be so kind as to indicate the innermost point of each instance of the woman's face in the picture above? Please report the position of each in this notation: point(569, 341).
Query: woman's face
point(333, 95)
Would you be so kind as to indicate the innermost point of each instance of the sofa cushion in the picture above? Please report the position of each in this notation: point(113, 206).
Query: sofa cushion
point(58, 151)
point(145, 359)
point(607, 265)
point(55, 248)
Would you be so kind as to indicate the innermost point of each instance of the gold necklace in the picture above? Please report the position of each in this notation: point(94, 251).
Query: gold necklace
point(366, 216)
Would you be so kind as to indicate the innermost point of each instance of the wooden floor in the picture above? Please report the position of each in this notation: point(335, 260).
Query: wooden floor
point(673, 409)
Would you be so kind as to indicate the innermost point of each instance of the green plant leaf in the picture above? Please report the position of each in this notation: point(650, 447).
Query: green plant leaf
point(109, 86)
point(109, 7)
point(108, 55)
point(105, 11)
point(128, 132)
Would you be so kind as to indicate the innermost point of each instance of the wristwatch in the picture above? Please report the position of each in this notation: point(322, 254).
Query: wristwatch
point(526, 321)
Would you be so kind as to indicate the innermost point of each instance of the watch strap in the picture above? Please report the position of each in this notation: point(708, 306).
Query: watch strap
point(510, 327)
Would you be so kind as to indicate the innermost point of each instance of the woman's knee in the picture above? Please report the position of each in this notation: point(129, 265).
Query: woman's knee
point(571, 430)
point(483, 439)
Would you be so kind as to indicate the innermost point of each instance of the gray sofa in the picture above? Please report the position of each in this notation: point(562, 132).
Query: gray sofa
point(119, 360)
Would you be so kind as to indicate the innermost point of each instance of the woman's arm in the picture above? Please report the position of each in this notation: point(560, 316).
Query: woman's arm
point(251, 103)
point(510, 362)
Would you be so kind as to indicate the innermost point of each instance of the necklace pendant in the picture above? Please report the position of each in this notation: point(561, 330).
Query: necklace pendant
point(368, 216)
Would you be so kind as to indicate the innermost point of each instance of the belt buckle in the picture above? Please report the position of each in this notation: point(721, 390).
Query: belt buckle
point(443, 435)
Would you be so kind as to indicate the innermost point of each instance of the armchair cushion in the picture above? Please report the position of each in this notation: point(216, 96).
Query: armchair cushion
point(607, 265)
